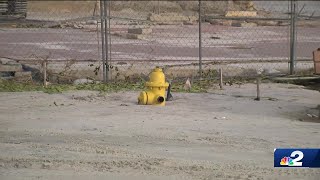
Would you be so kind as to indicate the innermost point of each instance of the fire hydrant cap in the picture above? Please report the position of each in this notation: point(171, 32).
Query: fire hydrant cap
point(157, 79)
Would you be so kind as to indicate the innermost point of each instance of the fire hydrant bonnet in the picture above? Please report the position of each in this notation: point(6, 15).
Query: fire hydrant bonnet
point(157, 79)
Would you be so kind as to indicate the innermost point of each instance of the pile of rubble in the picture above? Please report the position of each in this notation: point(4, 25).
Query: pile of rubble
point(10, 69)
point(172, 19)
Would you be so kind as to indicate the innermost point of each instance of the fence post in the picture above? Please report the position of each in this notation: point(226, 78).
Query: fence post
point(44, 69)
point(200, 41)
point(292, 36)
point(103, 49)
point(109, 34)
point(106, 31)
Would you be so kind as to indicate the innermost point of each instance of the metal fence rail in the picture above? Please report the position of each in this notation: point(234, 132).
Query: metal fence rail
point(116, 40)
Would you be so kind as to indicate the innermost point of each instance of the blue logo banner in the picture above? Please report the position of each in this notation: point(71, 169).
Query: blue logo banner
point(295, 158)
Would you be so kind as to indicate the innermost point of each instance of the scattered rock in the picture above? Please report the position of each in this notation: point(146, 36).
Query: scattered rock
point(6, 61)
point(92, 22)
point(312, 115)
point(89, 26)
point(243, 24)
point(188, 23)
point(270, 71)
point(135, 36)
point(226, 22)
point(12, 69)
point(139, 31)
point(246, 24)
point(267, 23)
point(16, 165)
point(308, 23)
point(55, 26)
point(215, 21)
point(241, 14)
point(272, 99)
point(187, 85)
point(169, 23)
point(133, 23)
point(45, 166)
point(283, 23)
point(171, 17)
point(83, 81)
point(7, 65)
point(220, 22)
point(22, 165)
point(23, 74)
point(78, 26)
point(214, 37)
point(121, 63)
point(236, 24)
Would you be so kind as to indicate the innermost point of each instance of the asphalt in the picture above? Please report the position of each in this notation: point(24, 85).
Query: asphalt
point(166, 43)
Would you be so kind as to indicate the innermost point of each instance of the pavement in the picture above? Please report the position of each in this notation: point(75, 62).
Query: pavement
point(166, 43)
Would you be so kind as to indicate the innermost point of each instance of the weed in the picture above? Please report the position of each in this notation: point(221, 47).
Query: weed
point(12, 86)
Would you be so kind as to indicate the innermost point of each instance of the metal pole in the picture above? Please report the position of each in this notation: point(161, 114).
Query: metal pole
point(109, 32)
point(102, 17)
point(106, 38)
point(258, 88)
point(292, 36)
point(44, 68)
point(221, 80)
point(200, 41)
point(319, 112)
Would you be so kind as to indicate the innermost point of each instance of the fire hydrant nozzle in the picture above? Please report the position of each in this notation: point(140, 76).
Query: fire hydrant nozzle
point(155, 95)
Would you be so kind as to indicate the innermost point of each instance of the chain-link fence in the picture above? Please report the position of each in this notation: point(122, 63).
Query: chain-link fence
point(124, 40)
point(307, 34)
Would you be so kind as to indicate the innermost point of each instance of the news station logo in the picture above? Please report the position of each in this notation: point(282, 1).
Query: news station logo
point(297, 158)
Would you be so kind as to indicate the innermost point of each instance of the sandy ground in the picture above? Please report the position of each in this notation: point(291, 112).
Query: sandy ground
point(223, 134)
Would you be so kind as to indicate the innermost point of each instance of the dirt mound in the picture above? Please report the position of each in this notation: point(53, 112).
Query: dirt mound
point(60, 6)
point(147, 6)
point(139, 6)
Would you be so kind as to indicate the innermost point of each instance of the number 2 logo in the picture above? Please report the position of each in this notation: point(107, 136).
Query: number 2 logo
point(295, 160)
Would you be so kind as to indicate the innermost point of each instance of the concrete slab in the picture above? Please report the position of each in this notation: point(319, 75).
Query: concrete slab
point(135, 36)
point(10, 67)
point(23, 74)
point(140, 31)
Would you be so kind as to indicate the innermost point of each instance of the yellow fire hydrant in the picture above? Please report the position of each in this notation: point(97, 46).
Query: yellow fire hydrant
point(157, 85)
